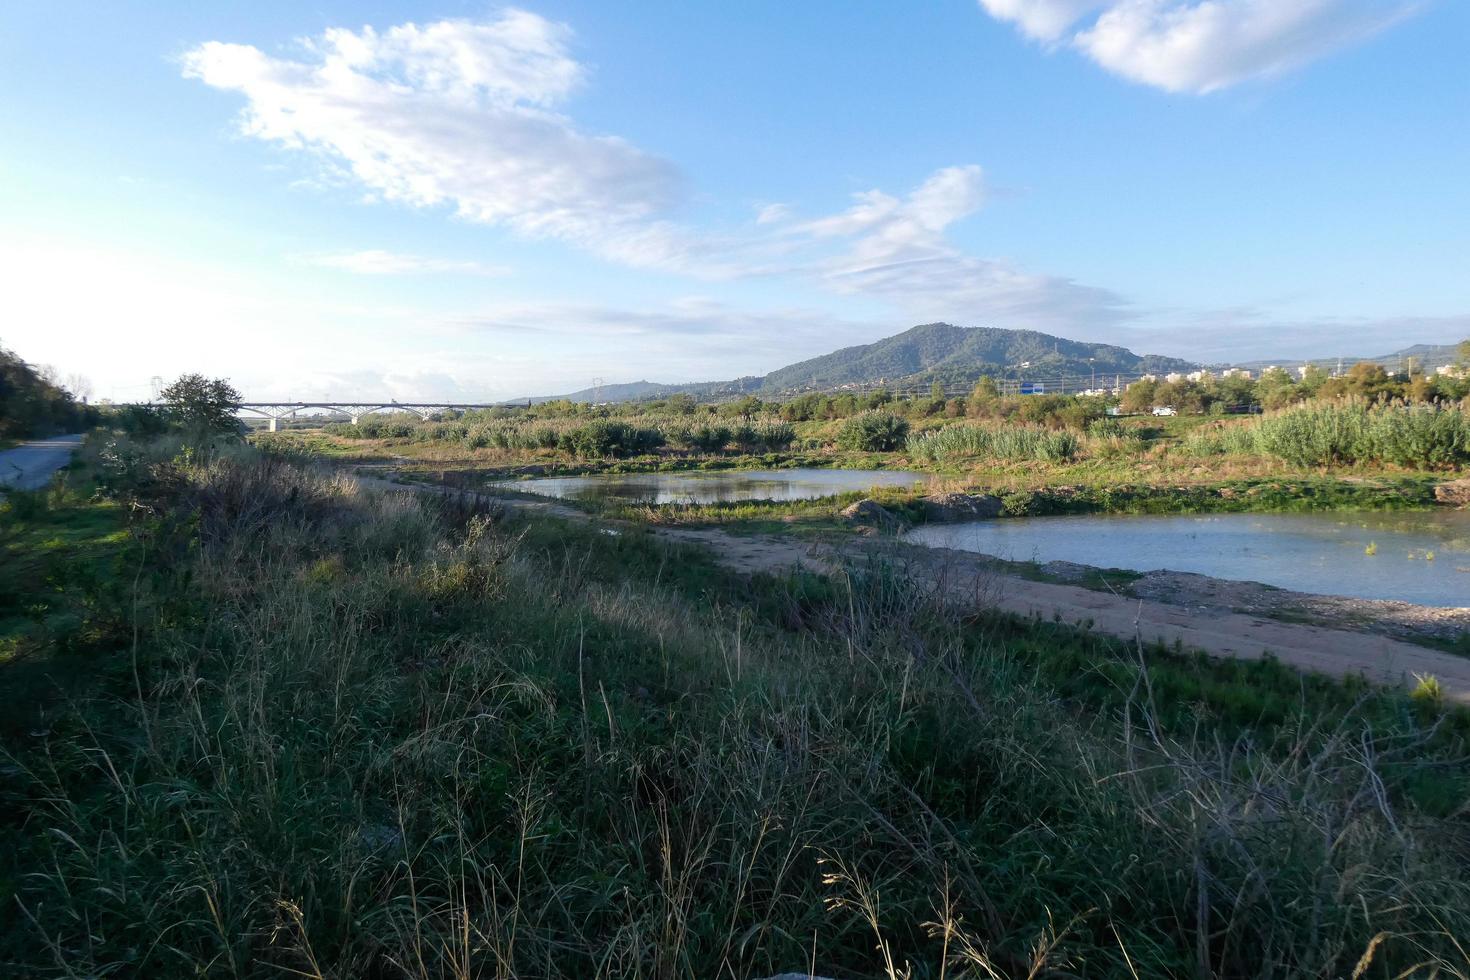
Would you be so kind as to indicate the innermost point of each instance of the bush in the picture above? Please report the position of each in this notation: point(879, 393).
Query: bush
point(709, 438)
point(873, 432)
point(608, 438)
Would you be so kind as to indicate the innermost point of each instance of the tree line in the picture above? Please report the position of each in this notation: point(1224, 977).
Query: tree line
point(33, 403)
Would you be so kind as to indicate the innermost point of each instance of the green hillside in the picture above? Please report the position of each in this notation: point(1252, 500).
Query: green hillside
point(929, 352)
point(942, 351)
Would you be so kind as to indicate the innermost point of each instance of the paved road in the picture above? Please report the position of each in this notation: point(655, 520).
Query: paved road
point(29, 466)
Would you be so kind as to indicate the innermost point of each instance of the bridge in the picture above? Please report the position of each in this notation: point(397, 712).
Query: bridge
point(276, 412)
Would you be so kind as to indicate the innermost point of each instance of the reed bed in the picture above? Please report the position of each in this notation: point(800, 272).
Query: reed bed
point(1420, 436)
point(1008, 442)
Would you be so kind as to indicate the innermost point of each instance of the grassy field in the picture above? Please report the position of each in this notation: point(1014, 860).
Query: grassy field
point(317, 731)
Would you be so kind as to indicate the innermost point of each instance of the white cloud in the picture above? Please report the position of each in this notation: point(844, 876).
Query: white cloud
point(457, 113)
point(1201, 46)
point(896, 249)
point(377, 262)
point(1043, 20)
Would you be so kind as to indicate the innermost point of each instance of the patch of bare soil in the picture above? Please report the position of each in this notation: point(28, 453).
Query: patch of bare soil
point(1403, 620)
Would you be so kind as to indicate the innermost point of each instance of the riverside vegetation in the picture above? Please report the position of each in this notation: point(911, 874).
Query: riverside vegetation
point(1330, 444)
point(267, 722)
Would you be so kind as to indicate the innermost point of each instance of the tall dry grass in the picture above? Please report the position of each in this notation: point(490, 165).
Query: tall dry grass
point(379, 735)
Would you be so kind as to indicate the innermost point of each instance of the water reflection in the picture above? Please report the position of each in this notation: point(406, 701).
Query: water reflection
point(712, 487)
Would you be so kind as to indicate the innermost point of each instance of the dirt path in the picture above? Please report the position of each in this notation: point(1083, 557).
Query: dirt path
point(1219, 633)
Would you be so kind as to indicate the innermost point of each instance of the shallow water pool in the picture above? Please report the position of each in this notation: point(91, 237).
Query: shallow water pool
point(713, 486)
point(1416, 556)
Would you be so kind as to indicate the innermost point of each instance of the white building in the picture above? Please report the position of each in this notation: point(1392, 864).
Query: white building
point(1237, 373)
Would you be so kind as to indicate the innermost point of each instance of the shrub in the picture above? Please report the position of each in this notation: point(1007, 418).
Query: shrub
point(705, 438)
point(873, 432)
point(607, 438)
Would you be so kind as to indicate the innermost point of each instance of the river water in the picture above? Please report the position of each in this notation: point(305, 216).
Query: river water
point(705, 487)
point(1416, 556)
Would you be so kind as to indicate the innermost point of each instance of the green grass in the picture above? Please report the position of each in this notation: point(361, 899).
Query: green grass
point(390, 735)
point(64, 566)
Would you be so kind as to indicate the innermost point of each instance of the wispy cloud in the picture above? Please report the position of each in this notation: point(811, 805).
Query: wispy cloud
point(1200, 46)
point(377, 262)
point(898, 249)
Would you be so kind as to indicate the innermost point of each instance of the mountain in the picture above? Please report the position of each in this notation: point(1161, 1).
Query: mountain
point(929, 352)
point(944, 352)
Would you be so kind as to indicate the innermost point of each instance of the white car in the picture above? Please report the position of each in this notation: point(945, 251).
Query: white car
point(1165, 410)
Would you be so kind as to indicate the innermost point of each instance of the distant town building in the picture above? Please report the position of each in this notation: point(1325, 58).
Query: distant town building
point(1200, 375)
point(1237, 373)
point(1173, 377)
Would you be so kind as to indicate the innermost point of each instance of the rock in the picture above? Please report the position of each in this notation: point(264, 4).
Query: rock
point(870, 513)
point(943, 508)
point(1455, 493)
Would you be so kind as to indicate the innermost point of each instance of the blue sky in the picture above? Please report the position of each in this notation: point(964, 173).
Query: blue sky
point(460, 200)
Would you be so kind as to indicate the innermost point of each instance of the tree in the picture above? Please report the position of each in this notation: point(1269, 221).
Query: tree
point(744, 408)
point(1276, 389)
point(983, 398)
point(1464, 351)
point(198, 402)
point(1140, 396)
point(79, 385)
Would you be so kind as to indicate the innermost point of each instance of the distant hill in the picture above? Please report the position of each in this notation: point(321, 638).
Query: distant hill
point(929, 352)
point(1429, 356)
point(627, 392)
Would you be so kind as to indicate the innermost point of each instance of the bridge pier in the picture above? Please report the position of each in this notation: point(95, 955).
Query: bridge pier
point(273, 423)
point(354, 420)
